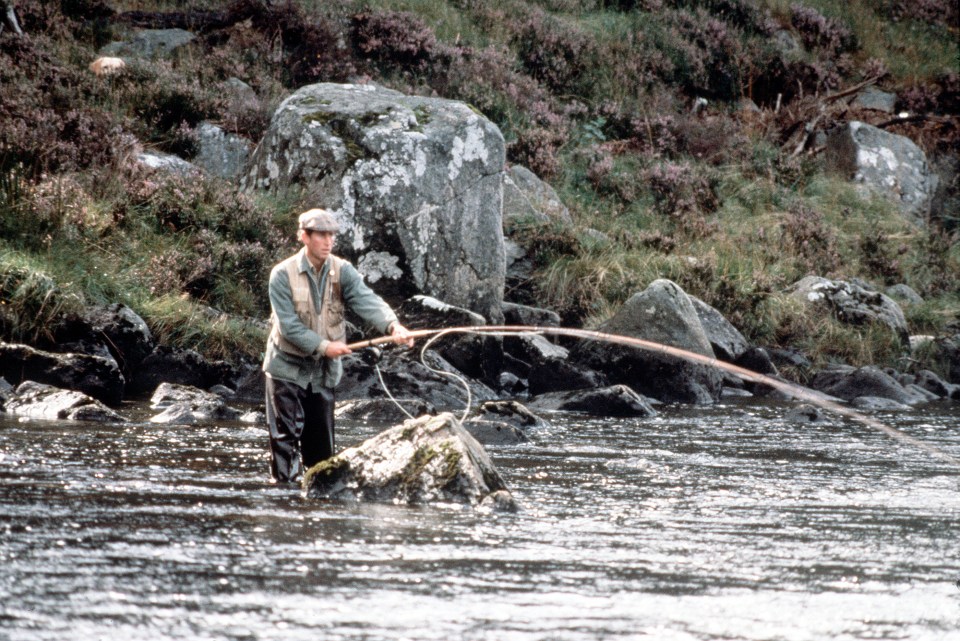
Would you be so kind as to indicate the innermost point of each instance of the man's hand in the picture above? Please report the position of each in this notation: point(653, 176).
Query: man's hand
point(336, 349)
point(401, 335)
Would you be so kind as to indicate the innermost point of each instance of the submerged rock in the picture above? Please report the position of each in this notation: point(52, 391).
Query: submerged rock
point(423, 460)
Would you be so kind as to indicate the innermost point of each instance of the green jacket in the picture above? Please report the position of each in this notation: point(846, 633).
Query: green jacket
point(313, 368)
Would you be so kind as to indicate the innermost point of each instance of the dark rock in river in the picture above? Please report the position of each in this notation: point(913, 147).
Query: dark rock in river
point(37, 400)
point(548, 366)
point(406, 377)
point(424, 460)
point(92, 375)
point(478, 356)
point(181, 366)
point(663, 313)
point(849, 383)
point(617, 400)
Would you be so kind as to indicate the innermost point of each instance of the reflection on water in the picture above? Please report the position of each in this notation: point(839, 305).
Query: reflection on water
point(720, 523)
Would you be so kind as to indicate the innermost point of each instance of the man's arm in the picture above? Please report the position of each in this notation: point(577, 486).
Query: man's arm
point(366, 304)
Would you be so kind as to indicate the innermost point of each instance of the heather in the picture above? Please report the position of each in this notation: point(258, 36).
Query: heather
point(676, 132)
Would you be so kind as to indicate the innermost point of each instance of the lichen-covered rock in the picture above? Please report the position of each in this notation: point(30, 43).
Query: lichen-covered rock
point(416, 183)
point(37, 400)
point(884, 163)
point(222, 154)
point(423, 460)
point(851, 303)
point(527, 198)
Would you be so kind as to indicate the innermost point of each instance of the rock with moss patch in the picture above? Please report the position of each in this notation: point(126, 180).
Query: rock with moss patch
point(415, 182)
point(425, 460)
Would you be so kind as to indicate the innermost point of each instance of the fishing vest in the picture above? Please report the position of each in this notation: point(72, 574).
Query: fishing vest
point(330, 323)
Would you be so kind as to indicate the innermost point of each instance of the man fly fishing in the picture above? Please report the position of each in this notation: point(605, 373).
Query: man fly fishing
point(309, 295)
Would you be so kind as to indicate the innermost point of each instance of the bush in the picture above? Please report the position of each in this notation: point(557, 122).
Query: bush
point(819, 32)
point(394, 39)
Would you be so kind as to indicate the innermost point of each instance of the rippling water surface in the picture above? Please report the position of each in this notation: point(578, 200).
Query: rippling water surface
point(721, 523)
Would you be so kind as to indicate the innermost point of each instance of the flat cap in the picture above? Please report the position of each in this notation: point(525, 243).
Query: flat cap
point(318, 220)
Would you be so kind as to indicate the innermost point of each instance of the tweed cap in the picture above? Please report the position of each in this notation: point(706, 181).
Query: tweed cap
point(318, 220)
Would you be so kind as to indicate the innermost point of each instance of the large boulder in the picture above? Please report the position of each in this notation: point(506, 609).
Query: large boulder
point(851, 303)
point(663, 313)
point(128, 337)
point(37, 400)
point(883, 163)
point(416, 183)
point(95, 376)
point(424, 460)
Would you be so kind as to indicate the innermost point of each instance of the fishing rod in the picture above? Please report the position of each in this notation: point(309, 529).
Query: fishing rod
point(791, 389)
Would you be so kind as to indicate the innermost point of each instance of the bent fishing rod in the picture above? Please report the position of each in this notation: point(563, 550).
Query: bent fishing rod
point(791, 389)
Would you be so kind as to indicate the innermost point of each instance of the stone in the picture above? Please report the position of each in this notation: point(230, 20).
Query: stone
point(875, 99)
point(415, 182)
point(510, 412)
point(167, 163)
point(149, 44)
point(851, 303)
point(527, 198)
point(426, 460)
point(663, 314)
point(94, 376)
point(37, 400)
point(615, 400)
point(383, 410)
point(526, 315)
point(221, 154)
point(725, 339)
point(849, 384)
point(883, 163)
point(494, 432)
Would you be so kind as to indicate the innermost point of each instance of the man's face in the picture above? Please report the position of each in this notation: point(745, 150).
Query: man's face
point(319, 244)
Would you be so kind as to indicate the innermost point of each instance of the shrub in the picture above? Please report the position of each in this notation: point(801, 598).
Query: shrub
point(395, 39)
point(819, 32)
point(555, 53)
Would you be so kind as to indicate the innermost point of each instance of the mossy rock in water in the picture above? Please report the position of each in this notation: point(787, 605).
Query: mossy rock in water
point(424, 460)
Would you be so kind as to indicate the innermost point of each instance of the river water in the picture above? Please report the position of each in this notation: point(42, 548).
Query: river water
point(727, 522)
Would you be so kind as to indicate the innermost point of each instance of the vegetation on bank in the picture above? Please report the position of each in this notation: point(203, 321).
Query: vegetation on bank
point(599, 98)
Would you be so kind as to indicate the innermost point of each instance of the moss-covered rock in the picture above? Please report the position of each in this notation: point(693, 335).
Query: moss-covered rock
point(424, 460)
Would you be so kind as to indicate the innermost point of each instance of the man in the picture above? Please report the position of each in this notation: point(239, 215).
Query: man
point(309, 294)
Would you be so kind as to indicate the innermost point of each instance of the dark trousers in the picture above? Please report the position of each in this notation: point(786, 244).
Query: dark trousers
point(301, 426)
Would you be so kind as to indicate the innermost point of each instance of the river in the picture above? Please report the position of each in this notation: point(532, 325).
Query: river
point(727, 522)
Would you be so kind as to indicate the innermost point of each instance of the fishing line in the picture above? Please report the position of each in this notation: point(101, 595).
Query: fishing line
point(791, 389)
